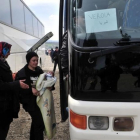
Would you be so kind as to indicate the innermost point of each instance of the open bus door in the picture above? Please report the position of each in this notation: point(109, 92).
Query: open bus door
point(63, 79)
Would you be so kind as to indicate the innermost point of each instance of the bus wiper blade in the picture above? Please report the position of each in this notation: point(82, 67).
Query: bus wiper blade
point(112, 50)
point(127, 42)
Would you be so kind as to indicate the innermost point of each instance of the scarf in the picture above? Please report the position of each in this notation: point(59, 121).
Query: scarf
point(4, 49)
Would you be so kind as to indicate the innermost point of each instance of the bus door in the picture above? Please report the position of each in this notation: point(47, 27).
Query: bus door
point(63, 59)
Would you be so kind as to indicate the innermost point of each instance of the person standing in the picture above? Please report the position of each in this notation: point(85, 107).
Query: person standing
point(55, 58)
point(46, 52)
point(51, 54)
point(9, 105)
point(27, 98)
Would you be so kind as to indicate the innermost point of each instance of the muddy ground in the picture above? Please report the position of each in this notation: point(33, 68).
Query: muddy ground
point(20, 128)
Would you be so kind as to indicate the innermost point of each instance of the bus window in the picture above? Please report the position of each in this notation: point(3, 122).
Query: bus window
point(104, 20)
point(102, 26)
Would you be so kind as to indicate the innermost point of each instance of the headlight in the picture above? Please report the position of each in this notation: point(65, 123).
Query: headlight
point(98, 123)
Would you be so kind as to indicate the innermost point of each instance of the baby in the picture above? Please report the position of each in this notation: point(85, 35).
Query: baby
point(45, 81)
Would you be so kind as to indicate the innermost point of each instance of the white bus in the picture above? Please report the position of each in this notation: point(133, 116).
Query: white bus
point(20, 28)
point(104, 68)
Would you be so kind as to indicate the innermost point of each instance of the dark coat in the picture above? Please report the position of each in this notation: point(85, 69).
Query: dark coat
point(9, 104)
point(27, 99)
point(55, 56)
point(51, 54)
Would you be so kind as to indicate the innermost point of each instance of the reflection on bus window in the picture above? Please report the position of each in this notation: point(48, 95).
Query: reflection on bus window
point(131, 17)
point(80, 22)
point(104, 19)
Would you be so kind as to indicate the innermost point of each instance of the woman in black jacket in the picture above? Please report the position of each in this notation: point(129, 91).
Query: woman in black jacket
point(31, 72)
point(9, 105)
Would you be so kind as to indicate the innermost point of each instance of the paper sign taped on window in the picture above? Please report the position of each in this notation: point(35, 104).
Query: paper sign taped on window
point(101, 20)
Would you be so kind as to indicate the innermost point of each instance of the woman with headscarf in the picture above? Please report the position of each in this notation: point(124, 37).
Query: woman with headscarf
point(31, 72)
point(9, 105)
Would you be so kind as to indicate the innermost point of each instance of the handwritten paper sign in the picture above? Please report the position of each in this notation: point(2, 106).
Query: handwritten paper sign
point(101, 20)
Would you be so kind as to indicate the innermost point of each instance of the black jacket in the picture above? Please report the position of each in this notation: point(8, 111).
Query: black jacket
point(55, 56)
point(8, 97)
point(64, 54)
point(27, 99)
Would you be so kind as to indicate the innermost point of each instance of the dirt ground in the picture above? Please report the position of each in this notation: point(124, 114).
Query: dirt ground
point(20, 128)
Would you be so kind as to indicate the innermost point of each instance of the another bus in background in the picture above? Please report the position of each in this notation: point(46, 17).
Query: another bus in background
point(22, 29)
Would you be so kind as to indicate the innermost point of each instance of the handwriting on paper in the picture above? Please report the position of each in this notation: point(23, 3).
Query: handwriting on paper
point(101, 20)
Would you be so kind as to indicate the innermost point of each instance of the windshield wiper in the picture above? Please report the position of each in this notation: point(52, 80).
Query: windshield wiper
point(100, 51)
point(127, 42)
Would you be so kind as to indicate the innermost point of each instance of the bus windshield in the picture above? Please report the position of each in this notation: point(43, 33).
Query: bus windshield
point(92, 22)
point(104, 23)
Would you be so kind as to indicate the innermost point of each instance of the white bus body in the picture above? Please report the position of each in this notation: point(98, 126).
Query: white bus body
point(111, 110)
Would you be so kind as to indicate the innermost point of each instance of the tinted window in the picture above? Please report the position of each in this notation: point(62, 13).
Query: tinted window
point(100, 20)
point(18, 14)
point(104, 74)
point(28, 21)
point(5, 11)
point(35, 26)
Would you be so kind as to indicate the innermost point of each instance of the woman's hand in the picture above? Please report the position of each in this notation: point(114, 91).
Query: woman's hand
point(35, 92)
point(23, 85)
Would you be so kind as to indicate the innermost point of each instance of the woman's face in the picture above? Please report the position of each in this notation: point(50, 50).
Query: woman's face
point(33, 62)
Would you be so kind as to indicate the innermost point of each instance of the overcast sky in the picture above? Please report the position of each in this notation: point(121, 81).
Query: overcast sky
point(47, 11)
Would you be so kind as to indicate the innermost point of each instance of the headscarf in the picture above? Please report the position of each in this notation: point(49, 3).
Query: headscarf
point(4, 48)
